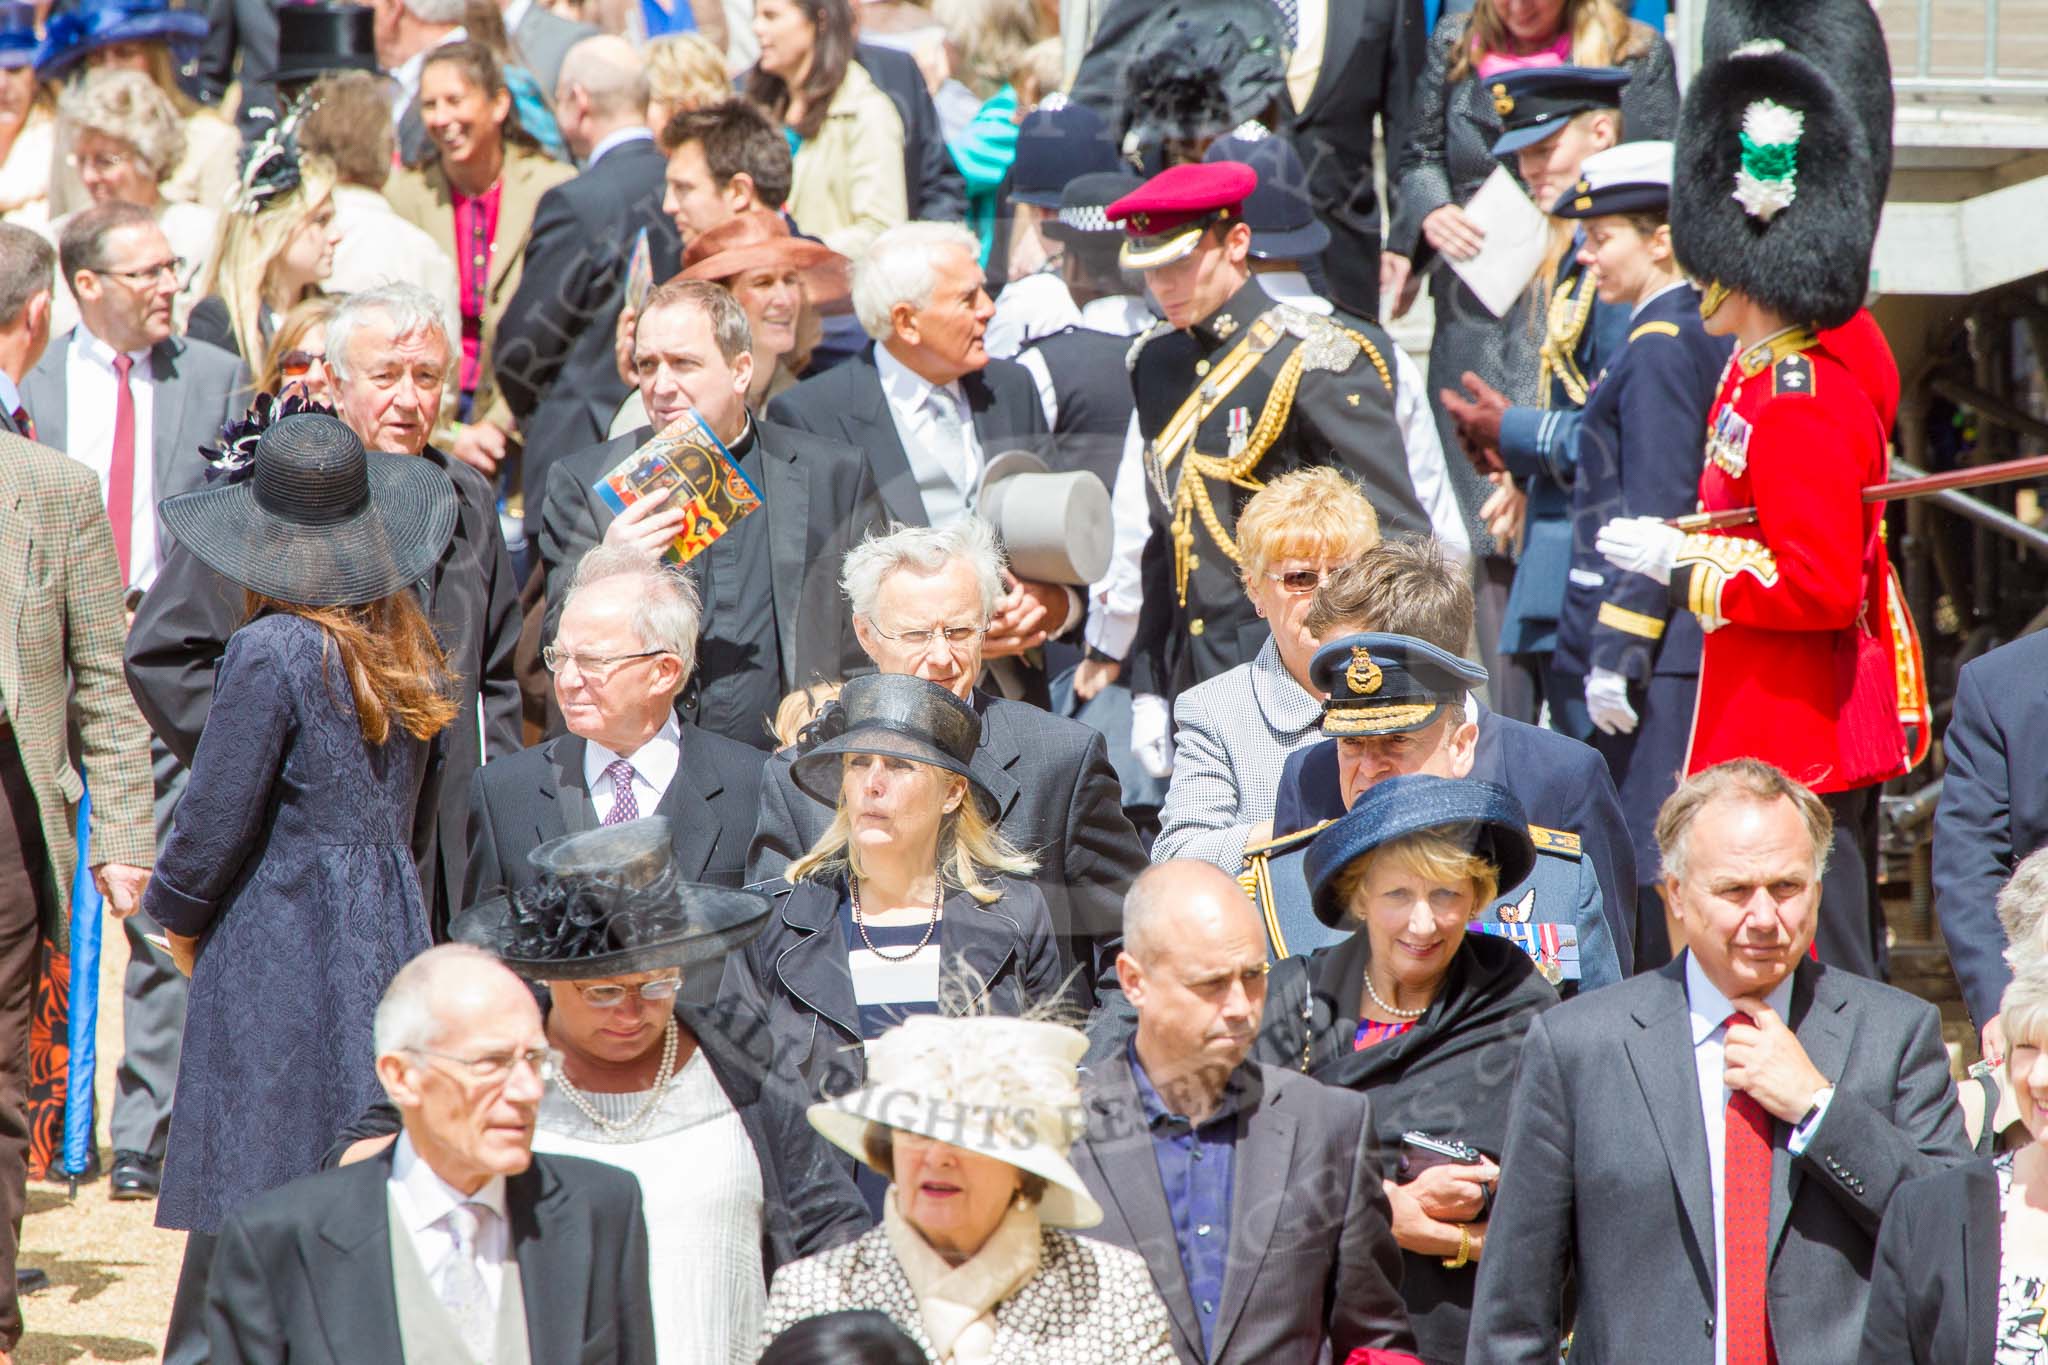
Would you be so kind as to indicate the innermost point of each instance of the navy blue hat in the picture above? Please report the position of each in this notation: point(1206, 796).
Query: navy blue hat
point(102, 23)
point(1084, 206)
point(1279, 212)
point(1535, 103)
point(1057, 142)
point(1388, 684)
point(1632, 178)
point(17, 34)
point(1486, 819)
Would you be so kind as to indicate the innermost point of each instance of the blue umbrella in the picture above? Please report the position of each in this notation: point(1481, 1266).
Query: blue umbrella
point(85, 1003)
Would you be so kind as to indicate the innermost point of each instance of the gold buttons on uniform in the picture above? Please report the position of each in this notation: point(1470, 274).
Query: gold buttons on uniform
point(1195, 626)
point(1201, 367)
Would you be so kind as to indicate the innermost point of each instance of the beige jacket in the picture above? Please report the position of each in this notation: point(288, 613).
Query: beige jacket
point(847, 184)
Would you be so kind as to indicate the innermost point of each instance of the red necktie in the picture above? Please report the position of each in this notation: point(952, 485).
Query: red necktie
point(1745, 1226)
point(24, 424)
point(121, 470)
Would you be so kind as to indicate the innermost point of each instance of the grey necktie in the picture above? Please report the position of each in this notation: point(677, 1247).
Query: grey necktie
point(949, 434)
point(462, 1282)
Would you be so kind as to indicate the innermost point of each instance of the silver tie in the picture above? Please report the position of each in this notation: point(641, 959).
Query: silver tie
point(462, 1283)
point(950, 435)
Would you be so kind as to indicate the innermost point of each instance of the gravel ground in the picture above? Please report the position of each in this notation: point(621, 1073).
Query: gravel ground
point(111, 1269)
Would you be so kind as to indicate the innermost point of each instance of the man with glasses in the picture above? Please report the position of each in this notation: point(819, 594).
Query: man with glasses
point(923, 598)
point(459, 1243)
point(625, 647)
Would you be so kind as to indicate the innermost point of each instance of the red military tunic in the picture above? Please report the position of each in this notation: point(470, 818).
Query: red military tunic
point(1799, 667)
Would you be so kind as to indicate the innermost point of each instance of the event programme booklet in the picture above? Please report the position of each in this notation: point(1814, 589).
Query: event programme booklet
point(1517, 234)
point(707, 483)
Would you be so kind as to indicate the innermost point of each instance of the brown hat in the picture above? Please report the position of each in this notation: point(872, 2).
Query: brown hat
point(760, 239)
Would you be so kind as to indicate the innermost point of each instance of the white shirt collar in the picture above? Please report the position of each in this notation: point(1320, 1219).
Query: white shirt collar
point(638, 132)
point(515, 15)
point(427, 1198)
point(655, 762)
point(1710, 1009)
point(906, 389)
point(1123, 315)
point(1637, 310)
point(10, 394)
point(84, 343)
point(1292, 287)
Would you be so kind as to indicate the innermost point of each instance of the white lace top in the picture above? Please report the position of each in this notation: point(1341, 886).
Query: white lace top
point(2022, 1292)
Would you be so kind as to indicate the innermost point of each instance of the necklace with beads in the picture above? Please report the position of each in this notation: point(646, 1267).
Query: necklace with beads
point(931, 925)
point(638, 1120)
point(1384, 1006)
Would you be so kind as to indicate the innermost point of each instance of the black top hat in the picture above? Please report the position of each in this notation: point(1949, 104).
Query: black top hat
point(1773, 188)
point(609, 903)
point(314, 519)
point(898, 716)
point(1487, 819)
point(1388, 684)
point(1056, 142)
point(1279, 212)
point(315, 39)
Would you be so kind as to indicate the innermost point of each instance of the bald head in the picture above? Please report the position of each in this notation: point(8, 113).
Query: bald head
point(1194, 968)
point(439, 991)
point(1175, 899)
point(602, 79)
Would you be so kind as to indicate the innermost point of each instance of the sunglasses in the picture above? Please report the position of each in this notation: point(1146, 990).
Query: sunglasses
point(299, 364)
point(1298, 581)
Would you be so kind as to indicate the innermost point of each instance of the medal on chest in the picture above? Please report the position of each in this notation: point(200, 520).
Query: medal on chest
point(1239, 430)
point(1728, 439)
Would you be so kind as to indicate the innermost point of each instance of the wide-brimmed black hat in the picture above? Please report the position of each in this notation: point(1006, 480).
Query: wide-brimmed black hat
point(609, 902)
point(897, 716)
point(1486, 819)
point(317, 520)
point(315, 39)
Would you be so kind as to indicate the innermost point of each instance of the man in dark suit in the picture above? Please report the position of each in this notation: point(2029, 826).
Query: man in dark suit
point(1993, 813)
point(554, 358)
point(626, 753)
point(773, 619)
point(922, 599)
point(459, 1244)
point(1252, 1192)
point(1752, 1109)
point(932, 183)
point(930, 408)
point(1349, 61)
point(1406, 586)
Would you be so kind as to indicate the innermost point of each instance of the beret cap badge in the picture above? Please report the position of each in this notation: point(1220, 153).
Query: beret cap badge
point(1503, 102)
point(1363, 675)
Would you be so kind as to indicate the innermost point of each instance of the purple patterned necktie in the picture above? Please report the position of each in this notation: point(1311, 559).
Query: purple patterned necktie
point(624, 805)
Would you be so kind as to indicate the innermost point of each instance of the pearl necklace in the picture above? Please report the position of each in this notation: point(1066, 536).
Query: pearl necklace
point(1397, 1013)
point(662, 1076)
point(938, 901)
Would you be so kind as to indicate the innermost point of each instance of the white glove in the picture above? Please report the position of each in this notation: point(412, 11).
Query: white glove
point(1643, 545)
point(1152, 735)
point(1607, 699)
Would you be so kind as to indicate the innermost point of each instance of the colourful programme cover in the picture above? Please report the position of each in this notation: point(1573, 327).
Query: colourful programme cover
point(706, 482)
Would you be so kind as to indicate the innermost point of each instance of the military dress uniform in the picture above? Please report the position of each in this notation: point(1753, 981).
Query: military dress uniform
point(1391, 684)
point(1244, 395)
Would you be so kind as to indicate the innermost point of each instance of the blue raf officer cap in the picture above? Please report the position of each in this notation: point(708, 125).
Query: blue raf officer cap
point(1535, 103)
point(1388, 684)
point(1484, 819)
point(1632, 178)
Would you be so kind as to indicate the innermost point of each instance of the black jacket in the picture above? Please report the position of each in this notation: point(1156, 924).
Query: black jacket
point(1934, 1282)
point(809, 1203)
point(522, 800)
point(553, 356)
point(304, 1274)
point(183, 624)
point(933, 185)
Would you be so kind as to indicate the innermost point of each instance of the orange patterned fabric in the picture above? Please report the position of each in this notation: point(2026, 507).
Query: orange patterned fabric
point(49, 1061)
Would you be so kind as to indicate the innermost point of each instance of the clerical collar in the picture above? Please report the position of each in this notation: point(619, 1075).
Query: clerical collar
point(740, 448)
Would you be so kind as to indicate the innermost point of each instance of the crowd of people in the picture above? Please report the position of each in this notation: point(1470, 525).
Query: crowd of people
point(802, 680)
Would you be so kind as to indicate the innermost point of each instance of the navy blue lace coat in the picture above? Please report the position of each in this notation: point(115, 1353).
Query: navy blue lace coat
point(292, 859)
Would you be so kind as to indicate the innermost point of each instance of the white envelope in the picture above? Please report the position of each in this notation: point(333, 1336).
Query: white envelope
point(1517, 234)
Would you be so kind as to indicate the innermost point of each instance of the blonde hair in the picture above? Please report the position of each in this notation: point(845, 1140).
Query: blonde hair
point(684, 71)
point(969, 847)
point(991, 37)
point(302, 318)
point(799, 709)
point(1313, 513)
point(127, 106)
point(1602, 35)
point(250, 243)
point(1430, 854)
point(1040, 71)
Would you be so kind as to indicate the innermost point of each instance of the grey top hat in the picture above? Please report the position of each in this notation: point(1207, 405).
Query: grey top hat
point(316, 520)
point(898, 716)
point(1055, 528)
point(609, 903)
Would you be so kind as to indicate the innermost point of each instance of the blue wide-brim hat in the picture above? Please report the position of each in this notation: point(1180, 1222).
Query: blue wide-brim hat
point(17, 34)
point(101, 23)
point(1487, 819)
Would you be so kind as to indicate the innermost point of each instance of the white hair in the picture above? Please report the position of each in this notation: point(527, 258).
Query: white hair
point(402, 308)
point(666, 608)
point(405, 1020)
point(897, 268)
point(436, 11)
point(927, 549)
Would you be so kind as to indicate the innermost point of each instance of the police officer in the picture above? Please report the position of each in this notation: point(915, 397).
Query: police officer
point(1232, 390)
point(1553, 117)
point(1808, 658)
point(1396, 706)
point(1640, 453)
point(1056, 142)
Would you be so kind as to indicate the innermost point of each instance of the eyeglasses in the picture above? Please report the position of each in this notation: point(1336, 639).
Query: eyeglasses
point(596, 667)
point(299, 364)
point(148, 274)
point(954, 636)
point(1297, 581)
point(493, 1067)
point(102, 163)
point(659, 991)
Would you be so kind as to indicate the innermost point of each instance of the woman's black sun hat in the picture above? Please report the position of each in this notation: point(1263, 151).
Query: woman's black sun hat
point(897, 716)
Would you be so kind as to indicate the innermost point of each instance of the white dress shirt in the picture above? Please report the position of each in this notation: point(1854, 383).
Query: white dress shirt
point(1710, 1010)
point(654, 767)
point(89, 404)
point(948, 471)
point(618, 138)
point(423, 1202)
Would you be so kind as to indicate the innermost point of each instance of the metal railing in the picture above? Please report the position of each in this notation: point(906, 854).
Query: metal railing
point(2005, 71)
